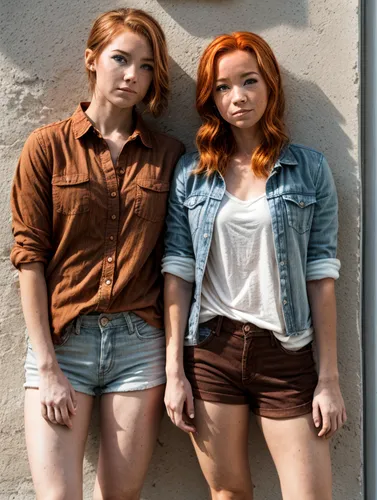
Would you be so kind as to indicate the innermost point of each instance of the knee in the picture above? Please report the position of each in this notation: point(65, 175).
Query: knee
point(231, 494)
point(126, 494)
point(59, 494)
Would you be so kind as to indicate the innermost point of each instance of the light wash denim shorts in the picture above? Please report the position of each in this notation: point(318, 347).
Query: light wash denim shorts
point(104, 353)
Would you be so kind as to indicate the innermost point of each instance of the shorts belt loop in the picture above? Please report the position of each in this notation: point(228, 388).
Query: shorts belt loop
point(219, 325)
point(78, 325)
point(130, 325)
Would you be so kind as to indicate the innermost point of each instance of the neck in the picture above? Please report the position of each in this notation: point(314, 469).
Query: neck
point(246, 140)
point(108, 118)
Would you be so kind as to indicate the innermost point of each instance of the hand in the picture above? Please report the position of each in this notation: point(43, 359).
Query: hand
point(179, 402)
point(328, 408)
point(58, 398)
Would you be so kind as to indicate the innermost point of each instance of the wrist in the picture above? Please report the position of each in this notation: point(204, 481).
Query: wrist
point(175, 370)
point(328, 378)
point(47, 366)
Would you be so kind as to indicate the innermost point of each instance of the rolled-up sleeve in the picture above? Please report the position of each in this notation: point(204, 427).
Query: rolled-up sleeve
point(179, 256)
point(31, 205)
point(322, 262)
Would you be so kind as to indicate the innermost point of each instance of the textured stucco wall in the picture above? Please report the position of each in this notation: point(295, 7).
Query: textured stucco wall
point(42, 79)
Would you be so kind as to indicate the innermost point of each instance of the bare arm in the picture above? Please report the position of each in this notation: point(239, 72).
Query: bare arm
point(328, 404)
point(57, 394)
point(178, 394)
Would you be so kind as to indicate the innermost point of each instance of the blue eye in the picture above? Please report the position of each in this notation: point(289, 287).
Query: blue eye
point(250, 81)
point(148, 67)
point(118, 58)
point(221, 88)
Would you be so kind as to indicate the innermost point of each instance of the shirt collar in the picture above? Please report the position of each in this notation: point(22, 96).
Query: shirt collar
point(82, 124)
point(287, 157)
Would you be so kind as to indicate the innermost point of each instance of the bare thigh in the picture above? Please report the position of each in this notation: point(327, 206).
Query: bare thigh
point(130, 423)
point(221, 445)
point(302, 458)
point(55, 452)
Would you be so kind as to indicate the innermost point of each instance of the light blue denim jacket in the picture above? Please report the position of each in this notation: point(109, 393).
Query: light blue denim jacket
point(304, 211)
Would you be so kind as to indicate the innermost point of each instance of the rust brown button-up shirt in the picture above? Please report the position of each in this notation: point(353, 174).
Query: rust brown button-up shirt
point(98, 228)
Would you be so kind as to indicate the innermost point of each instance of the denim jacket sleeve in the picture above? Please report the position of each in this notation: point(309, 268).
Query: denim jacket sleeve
point(321, 258)
point(179, 256)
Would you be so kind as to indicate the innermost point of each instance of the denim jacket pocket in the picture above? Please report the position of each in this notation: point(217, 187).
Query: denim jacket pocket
point(71, 193)
point(151, 199)
point(194, 205)
point(300, 211)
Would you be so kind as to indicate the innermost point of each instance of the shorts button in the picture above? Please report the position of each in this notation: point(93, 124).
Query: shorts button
point(104, 321)
point(246, 328)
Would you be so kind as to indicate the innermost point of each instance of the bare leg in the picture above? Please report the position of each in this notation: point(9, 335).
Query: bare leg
point(302, 458)
point(56, 453)
point(221, 447)
point(129, 428)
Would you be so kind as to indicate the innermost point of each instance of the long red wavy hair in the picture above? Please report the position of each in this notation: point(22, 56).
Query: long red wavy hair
point(214, 139)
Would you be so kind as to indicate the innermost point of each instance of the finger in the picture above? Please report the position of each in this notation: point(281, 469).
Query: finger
point(44, 411)
point(190, 405)
point(184, 426)
point(73, 398)
point(340, 420)
point(316, 415)
point(58, 416)
point(51, 414)
point(172, 417)
point(326, 424)
point(70, 405)
point(65, 416)
point(333, 427)
point(344, 416)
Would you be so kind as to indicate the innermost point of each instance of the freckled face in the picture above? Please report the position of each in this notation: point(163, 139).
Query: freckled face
point(124, 69)
point(240, 92)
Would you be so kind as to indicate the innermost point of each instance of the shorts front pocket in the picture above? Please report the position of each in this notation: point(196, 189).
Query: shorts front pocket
point(151, 199)
point(71, 194)
point(145, 331)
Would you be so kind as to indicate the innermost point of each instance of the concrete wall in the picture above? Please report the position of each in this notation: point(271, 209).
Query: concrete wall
point(42, 80)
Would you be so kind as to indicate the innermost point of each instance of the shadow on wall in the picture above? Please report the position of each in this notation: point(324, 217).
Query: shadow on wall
point(206, 17)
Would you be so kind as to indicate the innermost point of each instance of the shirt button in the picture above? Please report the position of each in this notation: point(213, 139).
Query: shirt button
point(282, 263)
point(109, 259)
point(285, 302)
point(113, 194)
point(108, 282)
point(104, 321)
point(121, 171)
point(205, 235)
point(111, 238)
point(246, 328)
point(302, 204)
point(113, 216)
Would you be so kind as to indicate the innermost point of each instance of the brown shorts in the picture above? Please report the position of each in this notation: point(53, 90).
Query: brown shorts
point(240, 363)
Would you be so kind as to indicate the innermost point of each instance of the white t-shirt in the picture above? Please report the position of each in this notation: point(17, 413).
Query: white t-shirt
point(241, 280)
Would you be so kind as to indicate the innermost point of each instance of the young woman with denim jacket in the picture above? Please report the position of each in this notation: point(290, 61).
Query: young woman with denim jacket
point(250, 264)
point(89, 201)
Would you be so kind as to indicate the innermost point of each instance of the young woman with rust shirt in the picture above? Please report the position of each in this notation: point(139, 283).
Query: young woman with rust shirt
point(88, 202)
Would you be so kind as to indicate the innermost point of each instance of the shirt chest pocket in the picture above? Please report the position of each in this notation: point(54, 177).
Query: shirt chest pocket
point(194, 205)
point(151, 199)
point(71, 193)
point(300, 210)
